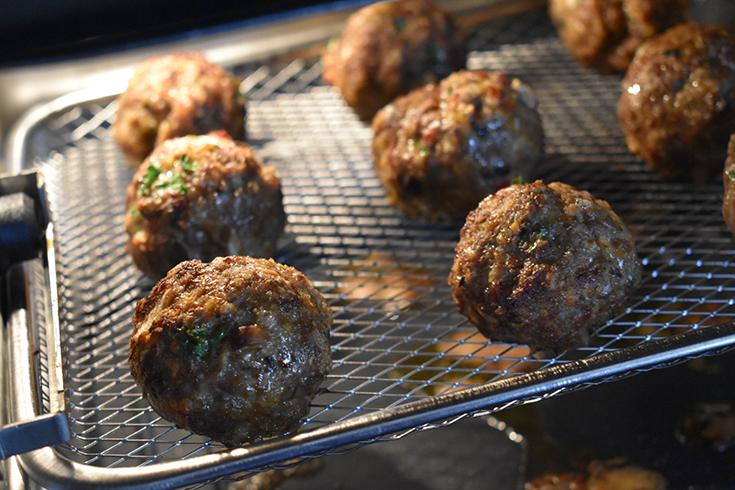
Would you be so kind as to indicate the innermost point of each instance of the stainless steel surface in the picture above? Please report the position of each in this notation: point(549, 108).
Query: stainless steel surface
point(36, 412)
point(404, 359)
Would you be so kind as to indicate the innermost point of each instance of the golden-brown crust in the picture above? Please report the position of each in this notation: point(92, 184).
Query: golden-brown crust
point(234, 349)
point(389, 48)
point(176, 95)
point(439, 150)
point(728, 177)
point(543, 265)
point(677, 107)
point(208, 196)
point(602, 475)
point(606, 33)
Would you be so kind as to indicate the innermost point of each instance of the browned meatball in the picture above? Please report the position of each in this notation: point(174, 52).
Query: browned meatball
point(543, 265)
point(442, 148)
point(728, 203)
point(602, 475)
point(388, 48)
point(677, 108)
point(606, 33)
point(176, 95)
point(199, 197)
point(234, 349)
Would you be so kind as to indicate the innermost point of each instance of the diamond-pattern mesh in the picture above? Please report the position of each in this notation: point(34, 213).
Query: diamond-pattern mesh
point(397, 336)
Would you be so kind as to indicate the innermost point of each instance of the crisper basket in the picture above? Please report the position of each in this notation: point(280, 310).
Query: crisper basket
point(404, 359)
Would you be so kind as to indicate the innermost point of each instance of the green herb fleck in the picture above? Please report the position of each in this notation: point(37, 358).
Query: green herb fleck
point(731, 175)
point(187, 163)
point(201, 341)
point(424, 151)
point(533, 240)
point(133, 211)
point(237, 82)
point(149, 177)
point(518, 180)
point(135, 220)
point(400, 23)
point(174, 181)
point(154, 178)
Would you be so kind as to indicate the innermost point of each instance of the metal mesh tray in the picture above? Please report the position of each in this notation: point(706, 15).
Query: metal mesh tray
point(404, 359)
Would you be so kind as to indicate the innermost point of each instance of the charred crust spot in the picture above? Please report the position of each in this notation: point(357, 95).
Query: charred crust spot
point(413, 187)
point(678, 84)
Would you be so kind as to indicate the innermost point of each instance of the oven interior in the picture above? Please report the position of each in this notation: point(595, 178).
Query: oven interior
point(397, 338)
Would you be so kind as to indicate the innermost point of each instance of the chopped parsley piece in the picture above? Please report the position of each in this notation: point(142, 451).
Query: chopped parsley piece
point(154, 178)
point(731, 175)
point(200, 341)
point(174, 181)
point(533, 240)
point(149, 177)
point(186, 163)
point(518, 180)
point(424, 150)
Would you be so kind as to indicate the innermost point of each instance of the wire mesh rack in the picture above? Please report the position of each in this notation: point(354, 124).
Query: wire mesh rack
point(398, 342)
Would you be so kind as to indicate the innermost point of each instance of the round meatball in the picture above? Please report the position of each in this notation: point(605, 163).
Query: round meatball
point(176, 95)
point(677, 107)
point(605, 34)
point(234, 349)
point(389, 48)
point(543, 266)
point(439, 150)
point(728, 203)
point(602, 475)
point(200, 197)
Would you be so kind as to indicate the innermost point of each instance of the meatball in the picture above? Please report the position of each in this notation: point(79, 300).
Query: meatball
point(677, 108)
point(439, 150)
point(389, 48)
point(602, 475)
point(605, 34)
point(176, 95)
point(199, 197)
point(234, 349)
point(543, 265)
point(728, 203)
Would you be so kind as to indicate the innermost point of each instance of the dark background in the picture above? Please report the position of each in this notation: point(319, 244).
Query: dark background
point(33, 31)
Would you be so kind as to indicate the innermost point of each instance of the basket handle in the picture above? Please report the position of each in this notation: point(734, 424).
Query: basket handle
point(21, 240)
point(42, 431)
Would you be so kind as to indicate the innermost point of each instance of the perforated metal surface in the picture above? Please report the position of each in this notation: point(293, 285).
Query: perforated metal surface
point(397, 336)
